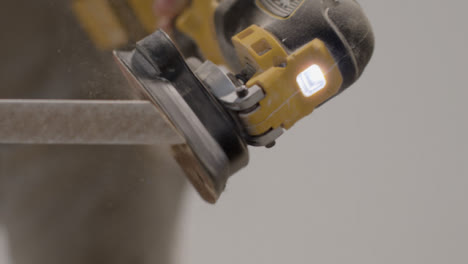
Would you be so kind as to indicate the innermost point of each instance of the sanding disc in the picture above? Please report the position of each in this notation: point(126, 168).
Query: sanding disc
point(215, 148)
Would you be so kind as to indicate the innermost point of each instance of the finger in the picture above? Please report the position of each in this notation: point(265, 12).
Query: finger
point(168, 8)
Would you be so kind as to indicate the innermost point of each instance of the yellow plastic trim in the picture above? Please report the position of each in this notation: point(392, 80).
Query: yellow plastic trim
point(144, 11)
point(276, 73)
point(197, 21)
point(258, 49)
point(101, 23)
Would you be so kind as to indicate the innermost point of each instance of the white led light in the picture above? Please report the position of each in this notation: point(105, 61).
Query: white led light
point(311, 80)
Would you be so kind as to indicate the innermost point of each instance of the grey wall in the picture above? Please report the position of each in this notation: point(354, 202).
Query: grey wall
point(378, 175)
point(4, 259)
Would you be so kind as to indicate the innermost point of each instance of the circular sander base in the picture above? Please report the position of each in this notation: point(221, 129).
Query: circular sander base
point(215, 148)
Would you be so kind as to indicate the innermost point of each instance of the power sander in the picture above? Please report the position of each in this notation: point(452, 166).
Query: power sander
point(235, 72)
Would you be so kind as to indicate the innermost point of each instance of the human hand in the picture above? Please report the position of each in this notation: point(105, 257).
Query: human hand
point(167, 11)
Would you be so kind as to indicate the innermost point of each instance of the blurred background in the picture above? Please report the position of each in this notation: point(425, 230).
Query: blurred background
point(378, 175)
point(4, 256)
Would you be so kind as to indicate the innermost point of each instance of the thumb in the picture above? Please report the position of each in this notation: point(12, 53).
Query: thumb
point(167, 11)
